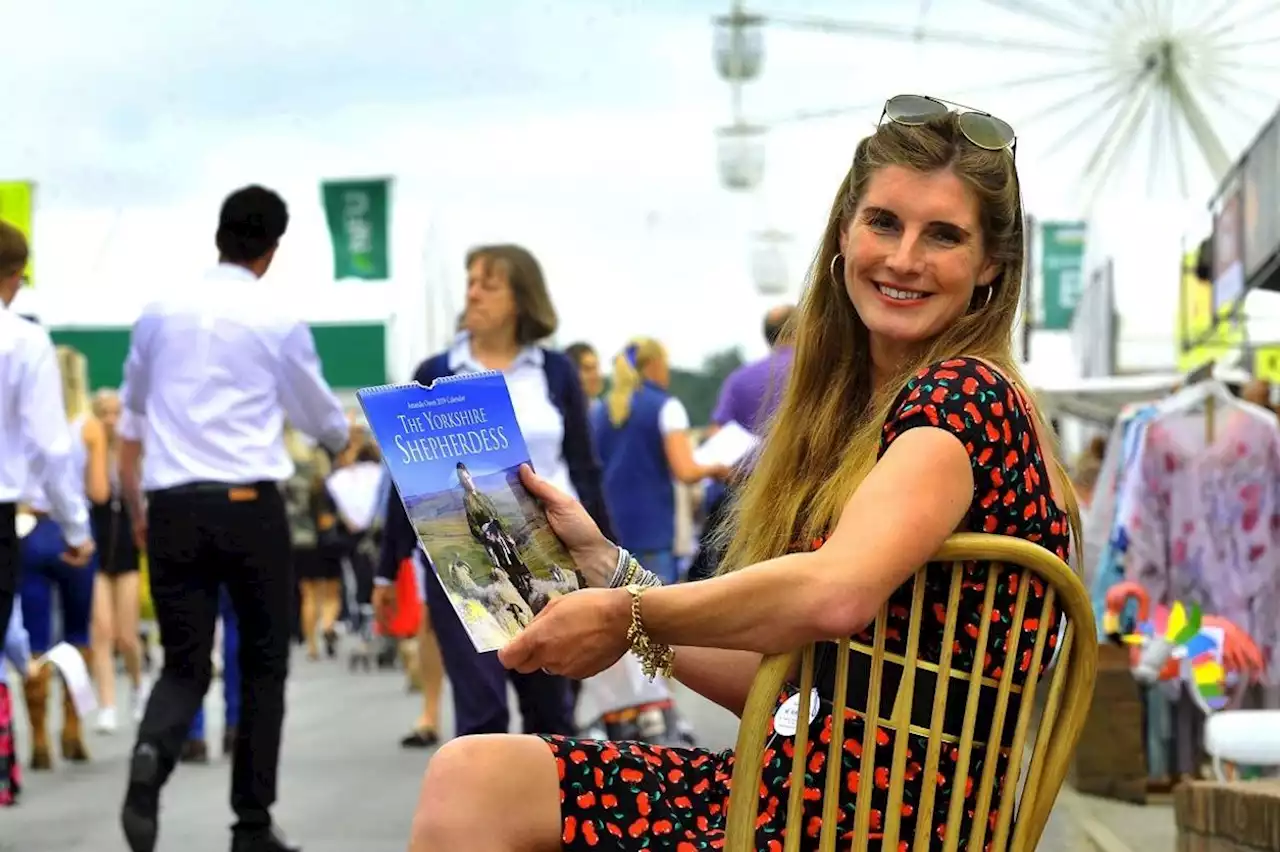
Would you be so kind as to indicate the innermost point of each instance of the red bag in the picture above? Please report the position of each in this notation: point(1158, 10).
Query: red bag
point(407, 615)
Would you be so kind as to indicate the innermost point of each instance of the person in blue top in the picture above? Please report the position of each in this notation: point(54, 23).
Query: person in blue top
point(642, 432)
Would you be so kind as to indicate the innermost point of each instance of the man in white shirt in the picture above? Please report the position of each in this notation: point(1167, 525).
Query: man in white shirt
point(35, 440)
point(213, 370)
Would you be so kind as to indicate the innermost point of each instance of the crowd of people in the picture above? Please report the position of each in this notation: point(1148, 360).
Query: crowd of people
point(628, 453)
point(229, 462)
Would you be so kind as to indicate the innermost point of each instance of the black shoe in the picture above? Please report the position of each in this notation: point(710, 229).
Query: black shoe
point(270, 839)
point(421, 738)
point(330, 643)
point(139, 816)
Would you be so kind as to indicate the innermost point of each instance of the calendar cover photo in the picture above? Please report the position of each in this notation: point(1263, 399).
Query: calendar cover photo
point(454, 451)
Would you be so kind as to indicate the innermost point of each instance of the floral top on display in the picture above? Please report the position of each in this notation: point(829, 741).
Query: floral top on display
point(1205, 525)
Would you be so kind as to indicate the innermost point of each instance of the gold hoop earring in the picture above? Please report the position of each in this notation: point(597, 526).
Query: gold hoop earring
point(834, 279)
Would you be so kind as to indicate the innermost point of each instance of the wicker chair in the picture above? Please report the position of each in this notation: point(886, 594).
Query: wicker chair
point(1050, 744)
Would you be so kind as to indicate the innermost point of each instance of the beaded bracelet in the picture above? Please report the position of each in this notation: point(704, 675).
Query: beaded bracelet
point(619, 571)
point(635, 575)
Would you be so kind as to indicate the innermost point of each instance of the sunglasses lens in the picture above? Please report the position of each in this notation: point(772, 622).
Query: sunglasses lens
point(913, 109)
point(986, 131)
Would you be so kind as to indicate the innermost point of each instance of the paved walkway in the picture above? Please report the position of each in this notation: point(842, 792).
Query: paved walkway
point(345, 784)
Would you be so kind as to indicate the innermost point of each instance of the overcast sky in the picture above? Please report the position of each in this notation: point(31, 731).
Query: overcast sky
point(581, 128)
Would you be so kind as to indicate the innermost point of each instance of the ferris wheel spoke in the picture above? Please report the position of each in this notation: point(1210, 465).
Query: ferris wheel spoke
point(1225, 91)
point(1246, 45)
point(803, 115)
point(1064, 105)
point(916, 34)
point(1044, 14)
point(1103, 14)
point(1237, 86)
point(1126, 148)
point(1100, 112)
point(1121, 132)
point(1215, 15)
point(1159, 118)
point(1202, 132)
point(1175, 142)
point(1265, 71)
point(1232, 26)
point(1036, 79)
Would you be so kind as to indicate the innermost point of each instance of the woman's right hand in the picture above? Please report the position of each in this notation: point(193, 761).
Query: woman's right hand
point(595, 556)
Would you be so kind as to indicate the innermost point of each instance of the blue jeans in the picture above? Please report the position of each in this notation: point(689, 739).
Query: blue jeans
point(662, 563)
point(230, 670)
point(42, 571)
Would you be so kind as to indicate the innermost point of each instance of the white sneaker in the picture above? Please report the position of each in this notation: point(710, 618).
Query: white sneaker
point(106, 721)
point(140, 696)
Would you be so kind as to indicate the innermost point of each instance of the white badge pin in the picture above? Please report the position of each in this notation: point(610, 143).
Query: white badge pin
point(784, 721)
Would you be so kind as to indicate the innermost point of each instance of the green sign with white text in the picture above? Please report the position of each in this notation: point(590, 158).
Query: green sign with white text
point(359, 217)
point(1062, 270)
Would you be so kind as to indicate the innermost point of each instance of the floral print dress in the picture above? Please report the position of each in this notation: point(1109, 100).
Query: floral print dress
point(627, 795)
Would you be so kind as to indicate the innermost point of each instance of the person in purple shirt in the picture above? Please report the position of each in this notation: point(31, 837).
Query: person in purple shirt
point(751, 393)
point(748, 396)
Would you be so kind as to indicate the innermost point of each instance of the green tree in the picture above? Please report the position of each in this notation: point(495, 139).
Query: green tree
point(698, 389)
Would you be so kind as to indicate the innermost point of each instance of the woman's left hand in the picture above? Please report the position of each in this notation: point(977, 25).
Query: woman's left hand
point(577, 635)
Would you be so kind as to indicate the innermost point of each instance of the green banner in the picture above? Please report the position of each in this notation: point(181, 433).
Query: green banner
point(359, 217)
point(1062, 270)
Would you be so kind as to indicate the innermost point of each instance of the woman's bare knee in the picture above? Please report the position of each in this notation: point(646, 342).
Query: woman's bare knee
point(467, 775)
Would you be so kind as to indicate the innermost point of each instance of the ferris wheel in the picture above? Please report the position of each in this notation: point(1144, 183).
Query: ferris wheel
point(1165, 92)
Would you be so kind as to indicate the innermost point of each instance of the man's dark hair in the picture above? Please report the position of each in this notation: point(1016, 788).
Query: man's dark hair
point(775, 322)
point(251, 224)
point(14, 250)
point(578, 351)
point(461, 466)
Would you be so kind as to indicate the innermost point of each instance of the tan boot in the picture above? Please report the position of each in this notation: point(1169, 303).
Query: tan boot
point(36, 691)
point(73, 747)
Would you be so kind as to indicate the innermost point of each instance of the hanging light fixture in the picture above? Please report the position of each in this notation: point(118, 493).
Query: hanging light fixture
point(739, 46)
point(740, 151)
point(769, 268)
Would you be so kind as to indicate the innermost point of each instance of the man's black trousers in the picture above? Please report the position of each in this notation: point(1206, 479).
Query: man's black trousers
point(201, 537)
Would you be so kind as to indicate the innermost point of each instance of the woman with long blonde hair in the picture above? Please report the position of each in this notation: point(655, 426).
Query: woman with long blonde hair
point(117, 594)
point(44, 570)
point(904, 421)
point(642, 435)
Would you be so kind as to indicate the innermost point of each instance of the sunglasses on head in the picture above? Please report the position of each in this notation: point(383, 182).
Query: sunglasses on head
point(981, 128)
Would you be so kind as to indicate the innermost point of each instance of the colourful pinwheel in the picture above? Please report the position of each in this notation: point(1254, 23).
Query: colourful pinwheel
point(1187, 650)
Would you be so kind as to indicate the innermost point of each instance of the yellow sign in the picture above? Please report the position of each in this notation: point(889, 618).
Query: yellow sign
point(1266, 364)
point(1200, 338)
point(17, 202)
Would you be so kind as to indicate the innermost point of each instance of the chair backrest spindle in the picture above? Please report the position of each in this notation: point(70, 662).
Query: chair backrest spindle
point(999, 708)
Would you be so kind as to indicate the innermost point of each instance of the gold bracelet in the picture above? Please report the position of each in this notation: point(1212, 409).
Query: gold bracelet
point(633, 566)
point(655, 658)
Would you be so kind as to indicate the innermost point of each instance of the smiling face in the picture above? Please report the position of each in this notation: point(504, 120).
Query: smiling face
point(913, 255)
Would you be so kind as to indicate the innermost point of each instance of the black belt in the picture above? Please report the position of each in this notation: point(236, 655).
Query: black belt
point(922, 695)
point(235, 492)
